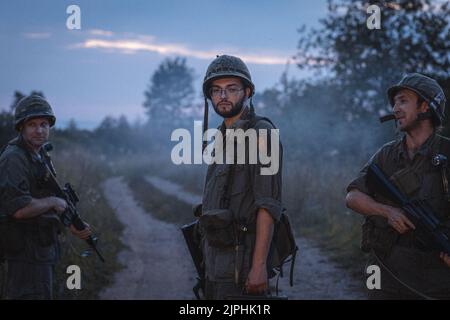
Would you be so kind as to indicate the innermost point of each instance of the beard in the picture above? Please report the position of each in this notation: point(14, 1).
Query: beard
point(235, 108)
point(406, 127)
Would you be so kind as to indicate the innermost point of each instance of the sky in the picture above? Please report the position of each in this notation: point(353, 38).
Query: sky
point(105, 67)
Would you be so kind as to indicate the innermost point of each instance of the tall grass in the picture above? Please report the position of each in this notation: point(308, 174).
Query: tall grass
point(85, 172)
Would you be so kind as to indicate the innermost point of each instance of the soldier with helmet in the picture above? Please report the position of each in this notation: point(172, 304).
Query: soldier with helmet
point(410, 269)
point(29, 212)
point(240, 206)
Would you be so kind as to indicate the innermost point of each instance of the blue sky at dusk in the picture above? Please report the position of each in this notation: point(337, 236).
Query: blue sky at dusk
point(104, 68)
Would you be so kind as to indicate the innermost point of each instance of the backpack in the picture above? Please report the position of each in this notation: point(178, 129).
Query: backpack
point(283, 249)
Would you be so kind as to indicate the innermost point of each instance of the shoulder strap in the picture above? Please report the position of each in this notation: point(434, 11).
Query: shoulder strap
point(256, 119)
point(228, 186)
point(444, 147)
point(229, 181)
point(3, 149)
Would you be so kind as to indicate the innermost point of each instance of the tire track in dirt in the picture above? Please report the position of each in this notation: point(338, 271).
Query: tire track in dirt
point(156, 259)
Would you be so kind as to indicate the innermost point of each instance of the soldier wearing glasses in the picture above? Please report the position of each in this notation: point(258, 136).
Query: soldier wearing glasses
point(240, 205)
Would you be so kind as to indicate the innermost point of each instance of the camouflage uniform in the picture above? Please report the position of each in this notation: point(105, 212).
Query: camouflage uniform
point(31, 245)
point(416, 265)
point(249, 191)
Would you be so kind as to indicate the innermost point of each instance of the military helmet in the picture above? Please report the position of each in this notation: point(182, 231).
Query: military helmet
point(227, 66)
point(427, 88)
point(32, 106)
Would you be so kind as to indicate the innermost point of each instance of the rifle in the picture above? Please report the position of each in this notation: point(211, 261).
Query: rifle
point(191, 237)
point(419, 212)
point(71, 215)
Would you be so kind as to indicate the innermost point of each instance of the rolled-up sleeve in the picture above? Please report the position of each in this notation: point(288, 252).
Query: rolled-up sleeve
point(14, 184)
point(360, 182)
point(267, 188)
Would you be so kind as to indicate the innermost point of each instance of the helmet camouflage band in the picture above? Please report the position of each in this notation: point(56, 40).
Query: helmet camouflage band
point(32, 106)
point(227, 66)
point(427, 88)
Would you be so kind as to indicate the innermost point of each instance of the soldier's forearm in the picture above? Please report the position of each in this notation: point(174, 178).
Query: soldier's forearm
point(264, 232)
point(365, 204)
point(35, 208)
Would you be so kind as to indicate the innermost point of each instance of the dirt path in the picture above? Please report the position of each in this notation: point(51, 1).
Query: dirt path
point(158, 265)
point(156, 260)
point(315, 276)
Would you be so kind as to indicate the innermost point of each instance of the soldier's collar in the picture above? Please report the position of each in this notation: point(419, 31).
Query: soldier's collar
point(18, 141)
point(425, 149)
point(242, 122)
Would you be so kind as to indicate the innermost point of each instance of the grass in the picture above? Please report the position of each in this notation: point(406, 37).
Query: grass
point(162, 206)
point(313, 192)
point(85, 172)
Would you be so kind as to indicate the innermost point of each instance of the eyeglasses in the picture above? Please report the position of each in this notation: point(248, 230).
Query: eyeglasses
point(231, 92)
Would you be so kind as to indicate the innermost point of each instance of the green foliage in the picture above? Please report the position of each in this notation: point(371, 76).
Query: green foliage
point(85, 172)
point(363, 63)
point(170, 91)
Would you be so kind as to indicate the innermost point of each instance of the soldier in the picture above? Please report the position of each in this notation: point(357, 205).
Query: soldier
point(409, 269)
point(30, 213)
point(240, 205)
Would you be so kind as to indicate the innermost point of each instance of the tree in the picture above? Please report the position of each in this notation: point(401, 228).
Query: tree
point(171, 89)
point(363, 63)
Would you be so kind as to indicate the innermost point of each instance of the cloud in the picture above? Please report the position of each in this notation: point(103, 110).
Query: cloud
point(147, 44)
point(101, 33)
point(37, 35)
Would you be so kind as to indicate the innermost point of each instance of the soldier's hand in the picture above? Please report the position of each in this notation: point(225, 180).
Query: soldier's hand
point(58, 204)
point(83, 234)
point(398, 220)
point(257, 282)
point(445, 258)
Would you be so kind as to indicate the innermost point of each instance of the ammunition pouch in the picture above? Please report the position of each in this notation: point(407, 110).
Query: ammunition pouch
point(42, 232)
point(13, 240)
point(218, 227)
point(378, 235)
point(46, 231)
point(407, 181)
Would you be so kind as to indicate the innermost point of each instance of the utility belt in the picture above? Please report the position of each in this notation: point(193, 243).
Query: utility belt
point(222, 230)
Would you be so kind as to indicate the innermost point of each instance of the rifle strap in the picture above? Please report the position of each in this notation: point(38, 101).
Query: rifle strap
point(3, 149)
point(385, 267)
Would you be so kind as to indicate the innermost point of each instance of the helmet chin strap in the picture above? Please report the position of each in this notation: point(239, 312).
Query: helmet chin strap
point(205, 123)
point(425, 115)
